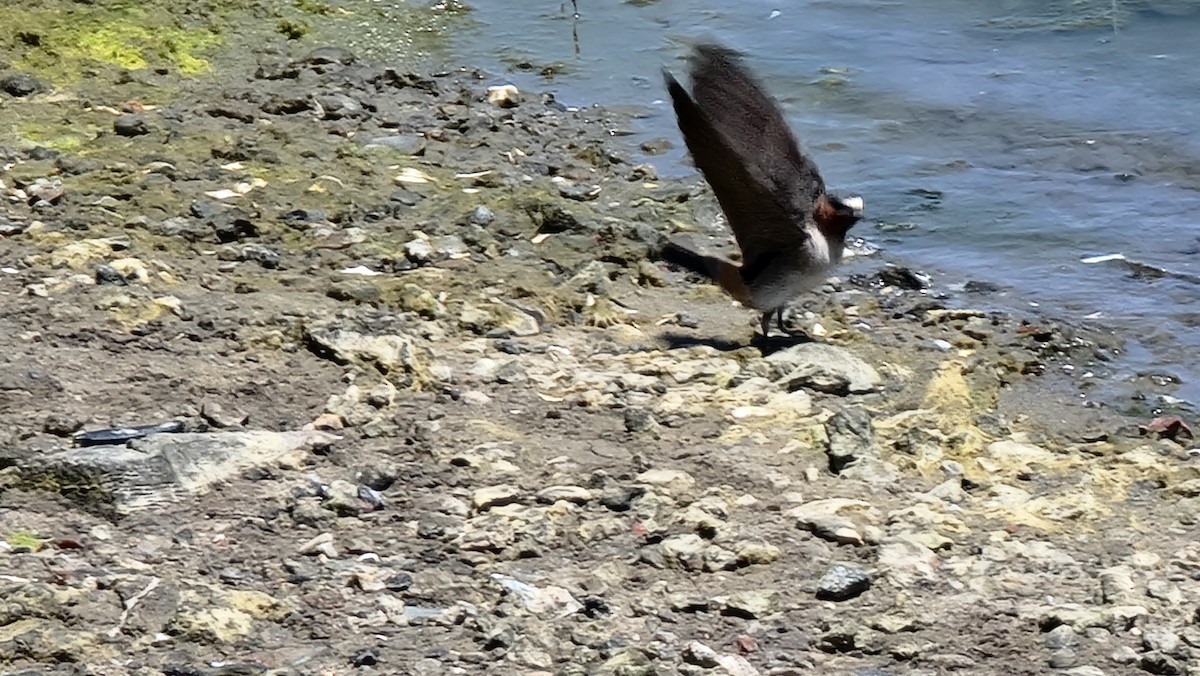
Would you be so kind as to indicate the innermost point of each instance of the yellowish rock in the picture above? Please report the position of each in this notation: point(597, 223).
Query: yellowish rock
point(80, 255)
point(259, 605)
point(132, 268)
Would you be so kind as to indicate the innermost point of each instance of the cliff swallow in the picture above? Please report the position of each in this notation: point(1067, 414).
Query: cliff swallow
point(790, 231)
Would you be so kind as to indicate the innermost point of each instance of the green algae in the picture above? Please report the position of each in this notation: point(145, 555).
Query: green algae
point(25, 540)
point(64, 42)
point(57, 135)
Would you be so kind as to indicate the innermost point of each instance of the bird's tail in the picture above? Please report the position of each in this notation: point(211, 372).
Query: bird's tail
point(725, 273)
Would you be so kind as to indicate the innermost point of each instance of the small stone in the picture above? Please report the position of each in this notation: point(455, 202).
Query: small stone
point(576, 494)
point(673, 482)
point(130, 124)
point(405, 144)
point(321, 544)
point(542, 601)
point(382, 395)
point(1062, 636)
point(357, 291)
point(824, 368)
point(44, 192)
point(686, 551)
point(482, 216)
point(851, 442)
point(639, 420)
point(449, 246)
point(700, 655)
point(1116, 584)
point(475, 398)
point(337, 106)
point(418, 251)
point(824, 519)
point(365, 657)
point(62, 424)
point(504, 96)
point(1164, 590)
point(216, 415)
point(619, 498)
point(107, 274)
point(752, 604)
point(510, 373)
point(328, 421)
point(21, 85)
point(323, 56)
point(1161, 640)
point(1124, 655)
point(341, 498)
point(484, 499)
point(579, 193)
point(264, 256)
point(841, 583)
point(131, 269)
point(757, 553)
point(902, 278)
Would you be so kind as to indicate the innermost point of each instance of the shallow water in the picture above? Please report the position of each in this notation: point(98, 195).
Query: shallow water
point(997, 141)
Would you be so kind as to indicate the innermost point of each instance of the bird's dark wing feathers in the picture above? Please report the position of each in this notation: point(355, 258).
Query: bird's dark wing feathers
point(740, 141)
point(759, 222)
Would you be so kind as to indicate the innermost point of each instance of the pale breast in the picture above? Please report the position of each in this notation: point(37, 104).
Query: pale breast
point(790, 276)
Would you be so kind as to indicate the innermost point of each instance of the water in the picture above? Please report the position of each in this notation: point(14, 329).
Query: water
point(1000, 141)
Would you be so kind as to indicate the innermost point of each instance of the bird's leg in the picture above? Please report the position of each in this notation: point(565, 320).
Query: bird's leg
point(779, 323)
point(766, 324)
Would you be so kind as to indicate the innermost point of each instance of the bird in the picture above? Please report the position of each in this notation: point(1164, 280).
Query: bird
point(790, 231)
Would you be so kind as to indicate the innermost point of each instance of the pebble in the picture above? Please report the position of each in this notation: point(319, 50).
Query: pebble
point(405, 144)
point(576, 494)
point(673, 482)
point(482, 216)
point(107, 274)
point(418, 251)
point(21, 85)
point(504, 96)
point(484, 499)
point(824, 368)
point(842, 583)
point(321, 544)
point(475, 398)
point(130, 124)
point(639, 420)
point(752, 604)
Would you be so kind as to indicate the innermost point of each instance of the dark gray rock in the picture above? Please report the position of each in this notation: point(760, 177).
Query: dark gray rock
point(130, 124)
point(841, 583)
point(21, 85)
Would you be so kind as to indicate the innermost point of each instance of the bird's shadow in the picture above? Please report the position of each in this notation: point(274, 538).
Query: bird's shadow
point(766, 344)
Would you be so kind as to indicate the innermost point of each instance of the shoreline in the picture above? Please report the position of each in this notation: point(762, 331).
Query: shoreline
point(446, 414)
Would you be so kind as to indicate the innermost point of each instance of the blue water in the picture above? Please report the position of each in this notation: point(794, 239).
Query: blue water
point(1042, 141)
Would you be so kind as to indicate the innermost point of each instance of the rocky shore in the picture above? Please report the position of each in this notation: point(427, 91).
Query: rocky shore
point(441, 410)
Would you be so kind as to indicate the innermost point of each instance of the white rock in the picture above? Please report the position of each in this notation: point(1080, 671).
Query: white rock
point(823, 367)
point(505, 96)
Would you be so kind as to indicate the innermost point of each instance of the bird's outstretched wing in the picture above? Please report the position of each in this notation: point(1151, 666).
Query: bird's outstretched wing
point(739, 140)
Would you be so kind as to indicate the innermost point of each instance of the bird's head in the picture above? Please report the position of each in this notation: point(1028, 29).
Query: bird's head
point(836, 215)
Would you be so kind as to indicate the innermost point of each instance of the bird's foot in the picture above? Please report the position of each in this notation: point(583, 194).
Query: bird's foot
point(787, 331)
